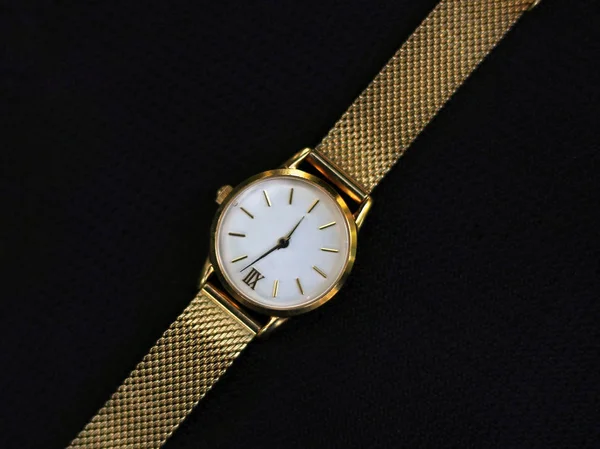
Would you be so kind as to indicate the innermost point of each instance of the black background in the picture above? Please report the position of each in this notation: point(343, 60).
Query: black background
point(472, 315)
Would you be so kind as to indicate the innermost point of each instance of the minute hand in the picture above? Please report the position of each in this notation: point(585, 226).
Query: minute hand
point(279, 245)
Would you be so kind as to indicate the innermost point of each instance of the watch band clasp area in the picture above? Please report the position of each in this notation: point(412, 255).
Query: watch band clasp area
point(261, 330)
point(338, 177)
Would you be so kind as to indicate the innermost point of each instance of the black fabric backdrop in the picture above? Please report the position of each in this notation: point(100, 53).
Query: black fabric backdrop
point(472, 316)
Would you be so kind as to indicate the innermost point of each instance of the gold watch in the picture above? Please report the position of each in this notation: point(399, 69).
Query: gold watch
point(284, 241)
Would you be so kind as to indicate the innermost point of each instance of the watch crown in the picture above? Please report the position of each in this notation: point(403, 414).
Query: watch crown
point(223, 193)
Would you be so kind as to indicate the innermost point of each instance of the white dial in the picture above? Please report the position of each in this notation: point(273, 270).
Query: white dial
point(283, 242)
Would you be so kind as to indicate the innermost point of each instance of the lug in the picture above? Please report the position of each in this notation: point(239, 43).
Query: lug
point(297, 159)
point(207, 270)
point(363, 211)
point(274, 323)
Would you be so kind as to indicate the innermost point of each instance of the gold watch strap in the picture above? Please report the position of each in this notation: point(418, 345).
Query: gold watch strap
point(419, 79)
point(166, 385)
point(370, 137)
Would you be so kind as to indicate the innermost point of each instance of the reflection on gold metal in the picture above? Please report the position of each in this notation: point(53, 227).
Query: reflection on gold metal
point(233, 309)
point(237, 234)
point(330, 250)
point(325, 226)
point(363, 211)
point(296, 159)
point(237, 259)
point(291, 195)
point(177, 372)
point(336, 175)
point(275, 288)
point(247, 213)
point(299, 286)
point(273, 323)
point(318, 270)
point(417, 81)
point(312, 207)
point(267, 197)
point(207, 271)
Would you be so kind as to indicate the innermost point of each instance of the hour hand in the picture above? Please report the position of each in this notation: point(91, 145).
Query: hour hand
point(283, 242)
point(287, 237)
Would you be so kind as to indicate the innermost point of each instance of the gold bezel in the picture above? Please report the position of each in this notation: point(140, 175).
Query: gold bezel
point(303, 308)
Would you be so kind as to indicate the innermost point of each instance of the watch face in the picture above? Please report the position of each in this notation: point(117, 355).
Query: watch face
point(284, 242)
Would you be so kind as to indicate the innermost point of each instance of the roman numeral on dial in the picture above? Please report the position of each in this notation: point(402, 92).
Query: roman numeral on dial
point(252, 278)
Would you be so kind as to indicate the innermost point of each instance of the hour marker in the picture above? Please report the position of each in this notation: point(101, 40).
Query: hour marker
point(291, 195)
point(299, 286)
point(267, 197)
point(237, 259)
point(275, 288)
point(318, 270)
point(313, 206)
point(237, 234)
point(325, 226)
point(330, 250)
point(252, 278)
point(247, 213)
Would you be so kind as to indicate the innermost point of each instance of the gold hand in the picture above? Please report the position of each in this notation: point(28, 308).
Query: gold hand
point(287, 237)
